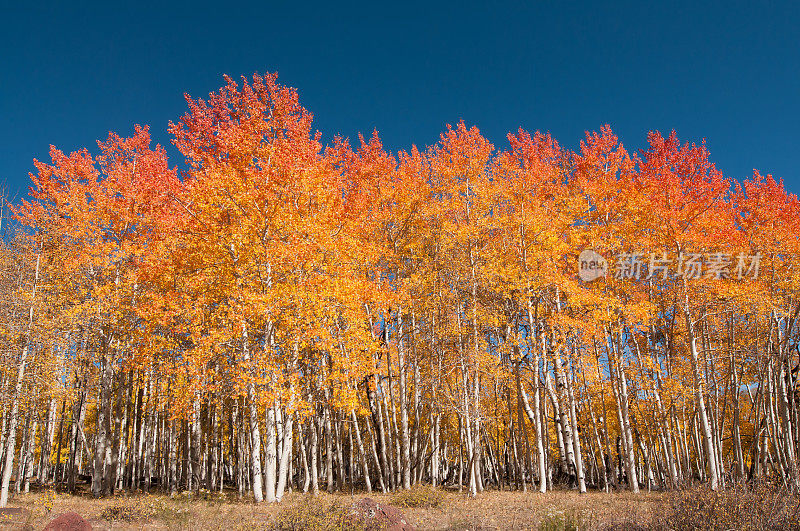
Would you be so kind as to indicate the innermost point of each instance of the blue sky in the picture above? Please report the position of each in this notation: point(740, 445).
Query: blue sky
point(728, 72)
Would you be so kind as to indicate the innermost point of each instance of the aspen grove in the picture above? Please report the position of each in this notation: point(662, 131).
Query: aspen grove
point(283, 315)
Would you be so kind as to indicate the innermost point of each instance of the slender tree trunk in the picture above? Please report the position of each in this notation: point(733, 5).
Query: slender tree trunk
point(361, 452)
point(404, 436)
point(102, 439)
point(255, 434)
point(270, 462)
point(14, 413)
point(699, 391)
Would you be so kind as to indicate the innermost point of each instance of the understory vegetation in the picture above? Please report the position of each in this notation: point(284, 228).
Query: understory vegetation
point(751, 508)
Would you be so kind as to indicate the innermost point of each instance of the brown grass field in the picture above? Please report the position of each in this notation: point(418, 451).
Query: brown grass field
point(558, 510)
point(490, 510)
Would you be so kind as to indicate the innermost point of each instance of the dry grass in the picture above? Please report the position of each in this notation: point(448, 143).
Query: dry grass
point(763, 506)
point(419, 496)
point(532, 510)
point(560, 510)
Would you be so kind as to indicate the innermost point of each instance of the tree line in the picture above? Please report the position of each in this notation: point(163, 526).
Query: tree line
point(287, 315)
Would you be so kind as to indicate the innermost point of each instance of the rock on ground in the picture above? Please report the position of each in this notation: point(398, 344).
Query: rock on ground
point(69, 522)
point(376, 516)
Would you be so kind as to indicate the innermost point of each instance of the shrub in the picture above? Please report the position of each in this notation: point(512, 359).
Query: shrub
point(314, 514)
point(145, 508)
point(212, 496)
point(742, 506)
point(761, 506)
point(418, 496)
point(570, 520)
point(127, 511)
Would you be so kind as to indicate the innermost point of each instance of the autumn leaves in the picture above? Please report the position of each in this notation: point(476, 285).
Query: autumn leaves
point(285, 290)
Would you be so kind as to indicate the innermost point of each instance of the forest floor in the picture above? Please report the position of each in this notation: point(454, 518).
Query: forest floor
point(490, 510)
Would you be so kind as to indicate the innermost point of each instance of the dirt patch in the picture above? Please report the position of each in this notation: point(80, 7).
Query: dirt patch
point(69, 522)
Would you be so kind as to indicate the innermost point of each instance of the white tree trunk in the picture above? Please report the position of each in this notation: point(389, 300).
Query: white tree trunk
point(14, 413)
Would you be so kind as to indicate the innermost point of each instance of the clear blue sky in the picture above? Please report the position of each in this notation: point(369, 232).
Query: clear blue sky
point(728, 72)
